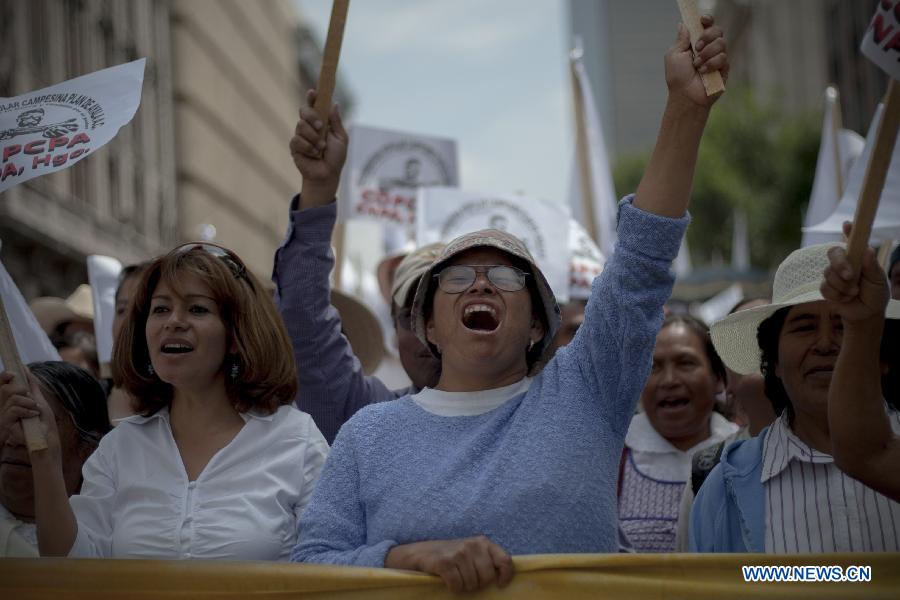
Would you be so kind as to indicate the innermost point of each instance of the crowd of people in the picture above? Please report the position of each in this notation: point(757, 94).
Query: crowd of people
point(240, 423)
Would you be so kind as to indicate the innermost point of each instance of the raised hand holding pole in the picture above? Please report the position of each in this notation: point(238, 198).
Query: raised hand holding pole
point(34, 435)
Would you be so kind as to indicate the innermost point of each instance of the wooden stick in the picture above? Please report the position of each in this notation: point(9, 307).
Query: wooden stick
point(582, 154)
point(690, 16)
point(328, 72)
point(34, 435)
point(876, 171)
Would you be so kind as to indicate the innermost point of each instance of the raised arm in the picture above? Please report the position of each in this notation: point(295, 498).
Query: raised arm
point(862, 442)
point(613, 348)
point(332, 384)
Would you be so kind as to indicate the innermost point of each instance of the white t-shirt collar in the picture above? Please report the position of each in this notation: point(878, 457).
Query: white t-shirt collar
point(468, 404)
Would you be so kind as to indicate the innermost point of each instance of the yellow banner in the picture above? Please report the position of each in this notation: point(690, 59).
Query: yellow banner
point(575, 576)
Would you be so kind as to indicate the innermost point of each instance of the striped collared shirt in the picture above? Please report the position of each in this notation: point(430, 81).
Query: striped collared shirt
point(812, 506)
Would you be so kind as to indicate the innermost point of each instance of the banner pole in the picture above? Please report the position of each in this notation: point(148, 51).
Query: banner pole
point(690, 16)
point(876, 172)
point(324, 92)
point(583, 163)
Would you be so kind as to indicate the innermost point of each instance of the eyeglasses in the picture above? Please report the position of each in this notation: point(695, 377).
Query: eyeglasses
point(231, 260)
point(459, 278)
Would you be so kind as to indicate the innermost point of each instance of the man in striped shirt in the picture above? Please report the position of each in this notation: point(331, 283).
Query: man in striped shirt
point(781, 492)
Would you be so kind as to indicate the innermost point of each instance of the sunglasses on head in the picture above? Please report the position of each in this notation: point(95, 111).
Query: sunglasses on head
point(231, 260)
point(458, 278)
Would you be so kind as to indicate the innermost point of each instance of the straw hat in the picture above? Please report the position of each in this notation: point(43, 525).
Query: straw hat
point(51, 311)
point(797, 281)
point(410, 269)
point(361, 327)
point(505, 242)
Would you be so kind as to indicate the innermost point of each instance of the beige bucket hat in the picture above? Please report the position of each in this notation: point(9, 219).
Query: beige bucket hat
point(797, 281)
point(508, 243)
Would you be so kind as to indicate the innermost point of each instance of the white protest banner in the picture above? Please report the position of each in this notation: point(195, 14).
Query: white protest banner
point(593, 199)
point(886, 226)
point(718, 306)
point(32, 343)
point(881, 42)
point(385, 168)
point(585, 261)
point(103, 277)
point(53, 128)
point(837, 150)
point(444, 213)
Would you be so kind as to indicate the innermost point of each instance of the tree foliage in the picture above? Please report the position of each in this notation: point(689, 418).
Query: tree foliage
point(755, 158)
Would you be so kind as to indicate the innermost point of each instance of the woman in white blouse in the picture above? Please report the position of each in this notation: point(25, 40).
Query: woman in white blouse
point(216, 464)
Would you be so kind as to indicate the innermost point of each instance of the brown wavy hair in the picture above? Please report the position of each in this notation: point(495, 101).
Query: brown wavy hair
point(267, 375)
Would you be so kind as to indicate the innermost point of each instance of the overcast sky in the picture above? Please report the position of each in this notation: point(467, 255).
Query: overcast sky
point(490, 74)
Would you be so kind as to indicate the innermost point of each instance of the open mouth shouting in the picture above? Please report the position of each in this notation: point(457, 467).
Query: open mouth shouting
point(673, 402)
point(176, 347)
point(480, 318)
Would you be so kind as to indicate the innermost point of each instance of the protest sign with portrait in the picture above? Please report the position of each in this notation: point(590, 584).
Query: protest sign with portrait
point(444, 213)
point(384, 170)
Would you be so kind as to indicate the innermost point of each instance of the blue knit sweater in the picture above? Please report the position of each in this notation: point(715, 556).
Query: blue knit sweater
point(537, 474)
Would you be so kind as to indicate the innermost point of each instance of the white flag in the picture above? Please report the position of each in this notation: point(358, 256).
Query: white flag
point(718, 306)
point(443, 213)
point(31, 341)
point(103, 277)
point(837, 151)
point(887, 220)
point(53, 128)
point(600, 196)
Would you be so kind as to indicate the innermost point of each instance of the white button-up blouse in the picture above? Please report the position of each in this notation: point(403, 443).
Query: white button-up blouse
point(136, 500)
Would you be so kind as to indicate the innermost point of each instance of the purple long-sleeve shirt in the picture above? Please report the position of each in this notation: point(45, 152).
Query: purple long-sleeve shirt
point(332, 383)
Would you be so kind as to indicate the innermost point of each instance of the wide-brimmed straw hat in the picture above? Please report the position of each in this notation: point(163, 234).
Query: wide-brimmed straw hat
point(51, 311)
point(797, 281)
point(505, 242)
point(360, 325)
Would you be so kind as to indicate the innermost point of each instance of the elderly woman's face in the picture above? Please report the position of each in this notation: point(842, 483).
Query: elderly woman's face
point(483, 323)
point(808, 347)
point(16, 482)
point(680, 392)
point(186, 338)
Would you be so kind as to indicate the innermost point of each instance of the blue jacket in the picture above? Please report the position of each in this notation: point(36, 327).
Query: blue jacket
point(729, 513)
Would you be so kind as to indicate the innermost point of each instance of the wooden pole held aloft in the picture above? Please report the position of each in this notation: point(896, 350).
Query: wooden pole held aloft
point(328, 72)
point(876, 172)
point(690, 16)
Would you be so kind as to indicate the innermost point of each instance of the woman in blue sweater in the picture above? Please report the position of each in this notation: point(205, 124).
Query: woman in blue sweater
point(493, 462)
